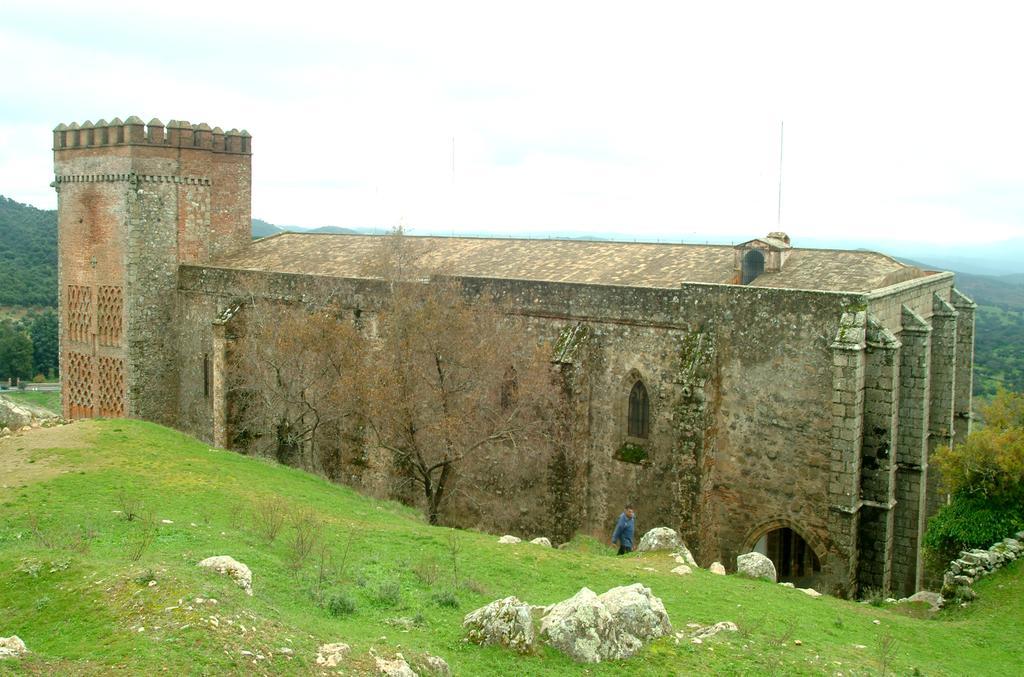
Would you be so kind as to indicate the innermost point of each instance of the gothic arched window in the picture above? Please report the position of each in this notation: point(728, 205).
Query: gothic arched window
point(639, 411)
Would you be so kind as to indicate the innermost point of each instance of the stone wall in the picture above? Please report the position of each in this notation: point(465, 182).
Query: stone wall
point(740, 381)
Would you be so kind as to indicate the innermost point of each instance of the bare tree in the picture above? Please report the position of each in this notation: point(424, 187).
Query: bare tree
point(293, 384)
point(451, 380)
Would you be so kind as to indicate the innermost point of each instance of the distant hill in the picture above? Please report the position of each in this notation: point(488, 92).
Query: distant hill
point(28, 255)
point(261, 228)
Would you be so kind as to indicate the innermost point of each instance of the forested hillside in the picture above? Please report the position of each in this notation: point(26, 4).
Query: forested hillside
point(28, 255)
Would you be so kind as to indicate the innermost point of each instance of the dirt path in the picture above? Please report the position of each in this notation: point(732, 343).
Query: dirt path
point(23, 457)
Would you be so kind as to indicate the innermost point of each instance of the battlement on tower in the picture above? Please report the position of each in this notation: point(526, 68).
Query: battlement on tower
point(133, 132)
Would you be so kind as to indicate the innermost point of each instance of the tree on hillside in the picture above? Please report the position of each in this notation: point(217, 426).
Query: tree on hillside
point(15, 351)
point(985, 477)
point(293, 384)
point(42, 328)
point(453, 384)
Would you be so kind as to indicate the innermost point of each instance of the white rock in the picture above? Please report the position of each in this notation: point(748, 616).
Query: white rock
point(934, 599)
point(508, 539)
point(224, 564)
point(541, 540)
point(12, 647)
point(717, 568)
point(591, 628)
point(394, 667)
point(437, 666)
point(638, 612)
point(504, 622)
point(712, 630)
point(684, 556)
point(582, 627)
point(682, 570)
point(756, 565)
point(331, 655)
point(810, 592)
point(787, 584)
point(659, 538)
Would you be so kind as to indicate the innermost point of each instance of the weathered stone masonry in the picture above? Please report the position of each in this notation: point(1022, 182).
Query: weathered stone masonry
point(805, 403)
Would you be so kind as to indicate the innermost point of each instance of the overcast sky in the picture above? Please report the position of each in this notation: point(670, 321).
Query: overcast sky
point(902, 121)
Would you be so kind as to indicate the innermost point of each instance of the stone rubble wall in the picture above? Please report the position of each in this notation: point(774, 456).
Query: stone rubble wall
point(972, 565)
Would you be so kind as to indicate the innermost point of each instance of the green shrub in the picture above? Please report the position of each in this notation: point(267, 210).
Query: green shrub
point(630, 452)
point(341, 604)
point(985, 475)
point(388, 594)
point(971, 522)
point(447, 598)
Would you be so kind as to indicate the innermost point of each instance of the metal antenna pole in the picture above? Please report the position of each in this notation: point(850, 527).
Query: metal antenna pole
point(778, 216)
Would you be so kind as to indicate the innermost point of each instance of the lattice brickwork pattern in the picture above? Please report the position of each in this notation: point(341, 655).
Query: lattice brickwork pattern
point(78, 311)
point(111, 387)
point(109, 311)
point(77, 378)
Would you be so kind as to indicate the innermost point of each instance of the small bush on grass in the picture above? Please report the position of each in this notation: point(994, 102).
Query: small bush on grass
point(140, 539)
point(427, 571)
point(341, 604)
point(307, 530)
point(268, 516)
point(446, 598)
point(388, 594)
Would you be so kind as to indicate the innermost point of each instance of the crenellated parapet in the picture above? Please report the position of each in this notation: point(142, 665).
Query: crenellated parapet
point(175, 134)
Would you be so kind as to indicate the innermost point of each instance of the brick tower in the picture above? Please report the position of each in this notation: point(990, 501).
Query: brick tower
point(134, 201)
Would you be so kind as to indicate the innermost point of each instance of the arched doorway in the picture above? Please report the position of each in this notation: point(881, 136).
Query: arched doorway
point(794, 559)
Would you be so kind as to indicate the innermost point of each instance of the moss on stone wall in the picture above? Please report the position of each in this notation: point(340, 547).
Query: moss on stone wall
point(631, 452)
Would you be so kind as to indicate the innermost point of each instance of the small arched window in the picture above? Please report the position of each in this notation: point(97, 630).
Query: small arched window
point(753, 265)
point(639, 410)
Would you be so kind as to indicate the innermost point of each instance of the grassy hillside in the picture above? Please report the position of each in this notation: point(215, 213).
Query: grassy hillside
point(47, 399)
point(91, 591)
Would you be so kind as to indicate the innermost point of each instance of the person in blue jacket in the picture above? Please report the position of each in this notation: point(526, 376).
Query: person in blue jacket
point(623, 534)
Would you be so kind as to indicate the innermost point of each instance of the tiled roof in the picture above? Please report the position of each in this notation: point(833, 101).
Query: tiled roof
point(579, 261)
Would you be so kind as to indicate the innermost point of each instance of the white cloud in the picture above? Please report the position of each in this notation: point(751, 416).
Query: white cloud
point(658, 119)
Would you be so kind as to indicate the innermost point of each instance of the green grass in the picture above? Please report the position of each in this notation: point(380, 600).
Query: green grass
point(49, 400)
point(69, 587)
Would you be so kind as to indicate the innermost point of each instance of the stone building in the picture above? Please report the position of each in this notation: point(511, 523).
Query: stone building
point(758, 396)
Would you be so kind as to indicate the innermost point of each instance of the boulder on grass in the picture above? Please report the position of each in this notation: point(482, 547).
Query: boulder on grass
point(756, 565)
point(509, 539)
point(682, 570)
point(684, 556)
point(394, 667)
point(504, 622)
point(659, 538)
point(12, 647)
point(229, 566)
point(637, 612)
point(717, 568)
point(591, 628)
point(331, 655)
point(541, 540)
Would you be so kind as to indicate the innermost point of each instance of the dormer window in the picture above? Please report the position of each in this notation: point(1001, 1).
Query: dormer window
point(753, 265)
point(763, 255)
